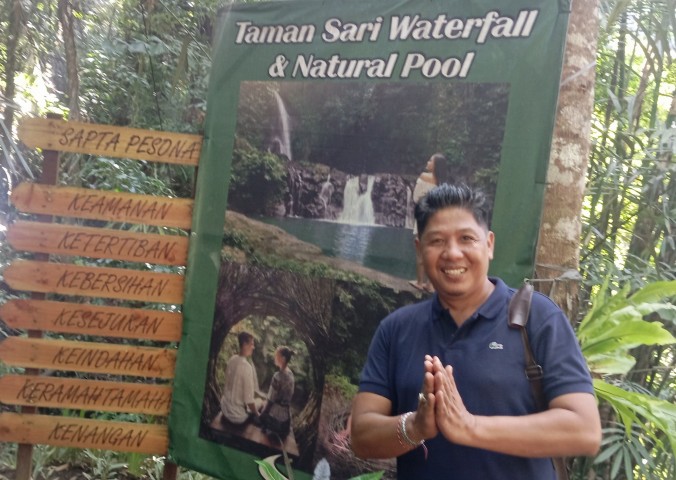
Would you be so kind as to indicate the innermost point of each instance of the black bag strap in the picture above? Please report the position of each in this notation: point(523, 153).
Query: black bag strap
point(519, 311)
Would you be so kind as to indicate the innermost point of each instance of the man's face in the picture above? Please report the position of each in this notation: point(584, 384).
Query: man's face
point(456, 252)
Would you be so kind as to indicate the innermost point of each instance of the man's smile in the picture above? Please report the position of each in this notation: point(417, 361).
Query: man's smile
point(454, 271)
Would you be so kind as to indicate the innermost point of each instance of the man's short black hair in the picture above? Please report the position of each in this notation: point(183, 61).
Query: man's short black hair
point(243, 338)
point(452, 195)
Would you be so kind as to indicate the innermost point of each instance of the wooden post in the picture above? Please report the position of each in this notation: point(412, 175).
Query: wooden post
point(49, 175)
point(170, 471)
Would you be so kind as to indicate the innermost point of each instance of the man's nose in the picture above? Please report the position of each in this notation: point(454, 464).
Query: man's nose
point(452, 249)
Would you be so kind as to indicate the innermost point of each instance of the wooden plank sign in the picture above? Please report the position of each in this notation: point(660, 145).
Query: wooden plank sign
point(88, 357)
point(63, 239)
point(111, 141)
point(53, 392)
point(84, 433)
point(87, 319)
point(120, 283)
point(103, 205)
point(128, 284)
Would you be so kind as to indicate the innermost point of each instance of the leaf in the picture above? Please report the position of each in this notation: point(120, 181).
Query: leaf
point(629, 334)
point(369, 476)
point(615, 100)
point(606, 453)
point(268, 470)
point(659, 416)
point(616, 464)
point(610, 364)
point(628, 468)
point(654, 292)
point(601, 310)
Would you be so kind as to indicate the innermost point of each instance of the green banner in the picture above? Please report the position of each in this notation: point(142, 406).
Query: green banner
point(321, 119)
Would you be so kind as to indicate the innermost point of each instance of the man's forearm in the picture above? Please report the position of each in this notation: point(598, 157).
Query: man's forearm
point(377, 436)
point(552, 433)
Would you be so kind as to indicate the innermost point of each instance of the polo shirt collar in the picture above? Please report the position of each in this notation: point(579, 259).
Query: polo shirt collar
point(490, 309)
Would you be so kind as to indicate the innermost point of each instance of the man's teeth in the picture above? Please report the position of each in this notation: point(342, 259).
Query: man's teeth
point(454, 271)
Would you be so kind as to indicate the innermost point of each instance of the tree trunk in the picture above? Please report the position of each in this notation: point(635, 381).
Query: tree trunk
point(13, 35)
point(66, 19)
point(560, 229)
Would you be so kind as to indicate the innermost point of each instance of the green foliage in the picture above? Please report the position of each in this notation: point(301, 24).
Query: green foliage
point(628, 241)
point(122, 175)
point(342, 384)
point(152, 61)
point(7, 455)
point(614, 325)
point(370, 128)
point(258, 181)
point(269, 472)
point(369, 476)
point(50, 462)
point(609, 334)
point(654, 417)
point(102, 465)
point(622, 450)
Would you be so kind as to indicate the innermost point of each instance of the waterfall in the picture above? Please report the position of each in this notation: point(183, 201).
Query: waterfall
point(283, 141)
point(358, 206)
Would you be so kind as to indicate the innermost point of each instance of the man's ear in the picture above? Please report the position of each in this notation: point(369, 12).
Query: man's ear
point(490, 239)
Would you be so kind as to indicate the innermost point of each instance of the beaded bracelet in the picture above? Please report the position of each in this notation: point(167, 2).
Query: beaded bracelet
point(403, 437)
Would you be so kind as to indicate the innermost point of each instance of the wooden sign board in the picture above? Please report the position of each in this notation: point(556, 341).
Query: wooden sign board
point(60, 239)
point(88, 281)
point(88, 357)
point(53, 392)
point(103, 205)
point(84, 433)
point(97, 320)
point(110, 141)
point(120, 283)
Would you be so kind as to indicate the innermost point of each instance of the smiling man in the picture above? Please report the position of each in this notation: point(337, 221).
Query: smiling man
point(444, 388)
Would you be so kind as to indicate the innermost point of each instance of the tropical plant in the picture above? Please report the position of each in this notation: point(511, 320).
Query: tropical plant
point(258, 180)
point(614, 327)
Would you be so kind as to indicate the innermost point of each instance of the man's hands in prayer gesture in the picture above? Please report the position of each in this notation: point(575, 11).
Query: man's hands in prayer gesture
point(424, 421)
point(452, 418)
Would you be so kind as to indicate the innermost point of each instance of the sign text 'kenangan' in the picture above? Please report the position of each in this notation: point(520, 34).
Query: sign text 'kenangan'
point(98, 435)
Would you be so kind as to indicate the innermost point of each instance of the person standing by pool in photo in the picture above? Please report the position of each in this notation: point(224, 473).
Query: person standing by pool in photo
point(436, 173)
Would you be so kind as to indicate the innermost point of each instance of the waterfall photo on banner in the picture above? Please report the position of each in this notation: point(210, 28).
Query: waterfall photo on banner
point(350, 156)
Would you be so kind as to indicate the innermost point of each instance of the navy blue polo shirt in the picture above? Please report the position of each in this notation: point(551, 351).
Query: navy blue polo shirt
point(488, 364)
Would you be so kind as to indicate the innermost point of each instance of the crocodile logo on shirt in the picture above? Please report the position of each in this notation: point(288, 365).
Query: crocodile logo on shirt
point(495, 346)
